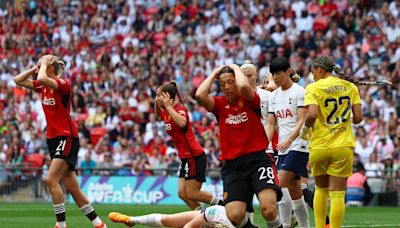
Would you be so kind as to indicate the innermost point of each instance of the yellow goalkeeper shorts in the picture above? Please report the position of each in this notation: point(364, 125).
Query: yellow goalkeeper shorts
point(336, 162)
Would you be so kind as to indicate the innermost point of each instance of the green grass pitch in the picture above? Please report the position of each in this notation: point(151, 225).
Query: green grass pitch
point(40, 215)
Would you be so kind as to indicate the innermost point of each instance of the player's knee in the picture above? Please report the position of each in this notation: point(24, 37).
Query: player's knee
point(192, 195)
point(236, 216)
point(269, 211)
point(182, 195)
point(50, 181)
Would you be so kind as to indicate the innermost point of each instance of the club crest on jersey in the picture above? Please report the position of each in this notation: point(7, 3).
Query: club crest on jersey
point(241, 103)
point(168, 127)
point(49, 101)
point(284, 113)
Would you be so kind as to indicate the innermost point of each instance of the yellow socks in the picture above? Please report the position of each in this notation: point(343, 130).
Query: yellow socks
point(320, 206)
point(337, 208)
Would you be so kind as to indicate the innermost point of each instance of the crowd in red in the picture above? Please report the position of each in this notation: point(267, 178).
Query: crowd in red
point(118, 52)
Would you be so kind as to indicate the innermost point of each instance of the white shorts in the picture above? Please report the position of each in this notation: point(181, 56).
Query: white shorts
point(217, 213)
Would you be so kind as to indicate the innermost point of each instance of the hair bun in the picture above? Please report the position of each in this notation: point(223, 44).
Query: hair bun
point(248, 61)
point(173, 83)
point(295, 77)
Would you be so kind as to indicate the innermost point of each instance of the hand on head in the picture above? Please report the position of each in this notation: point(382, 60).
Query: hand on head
point(47, 60)
point(165, 99)
point(233, 66)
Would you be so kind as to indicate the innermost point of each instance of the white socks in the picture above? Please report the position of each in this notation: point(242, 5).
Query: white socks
point(214, 200)
point(149, 220)
point(301, 212)
point(285, 208)
point(274, 223)
point(62, 224)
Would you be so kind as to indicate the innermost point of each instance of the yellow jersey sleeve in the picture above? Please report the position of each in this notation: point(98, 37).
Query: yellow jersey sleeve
point(310, 97)
point(355, 95)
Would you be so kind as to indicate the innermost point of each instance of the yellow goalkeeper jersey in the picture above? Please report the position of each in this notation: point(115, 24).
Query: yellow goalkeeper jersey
point(335, 98)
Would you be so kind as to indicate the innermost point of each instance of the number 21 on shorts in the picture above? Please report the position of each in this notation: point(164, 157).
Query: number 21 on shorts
point(60, 147)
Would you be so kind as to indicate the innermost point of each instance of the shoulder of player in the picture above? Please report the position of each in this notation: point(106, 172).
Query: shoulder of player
point(311, 86)
point(180, 108)
point(273, 93)
point(263, 94)
point(63, 81)
point(298, 88)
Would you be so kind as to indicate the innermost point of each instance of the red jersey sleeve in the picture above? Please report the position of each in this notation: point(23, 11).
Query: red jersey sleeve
point(255, 103)
point(36, 86)
point(63, 86)
point(181, 110)
point(218, 103)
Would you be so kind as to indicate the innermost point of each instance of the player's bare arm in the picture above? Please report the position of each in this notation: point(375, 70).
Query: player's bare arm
point(176, 117)
point(202, 92)
point(23, 80)
point(301, 113)
point(157, 108)
point(357, 113)
point(270, 128)
point(311, 117)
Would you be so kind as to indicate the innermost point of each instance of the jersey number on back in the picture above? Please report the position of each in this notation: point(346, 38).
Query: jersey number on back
point(332, 117)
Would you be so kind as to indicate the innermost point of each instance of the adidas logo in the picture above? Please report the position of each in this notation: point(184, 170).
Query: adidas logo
point(270, 181)
point(57, 153)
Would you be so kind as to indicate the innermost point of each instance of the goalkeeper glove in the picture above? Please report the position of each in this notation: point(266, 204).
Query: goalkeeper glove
point(306, 132)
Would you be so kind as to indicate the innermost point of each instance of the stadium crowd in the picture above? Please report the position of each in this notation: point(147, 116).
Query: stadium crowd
point(118, 52)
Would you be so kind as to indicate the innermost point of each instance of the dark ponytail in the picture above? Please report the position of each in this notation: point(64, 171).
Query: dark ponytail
point(328, 65)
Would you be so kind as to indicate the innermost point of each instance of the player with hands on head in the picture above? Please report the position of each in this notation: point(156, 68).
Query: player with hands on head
point(62, 135)
point(169, 108)
point(247, 169)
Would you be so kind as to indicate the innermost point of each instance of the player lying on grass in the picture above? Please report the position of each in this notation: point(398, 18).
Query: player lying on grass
point(189, 219)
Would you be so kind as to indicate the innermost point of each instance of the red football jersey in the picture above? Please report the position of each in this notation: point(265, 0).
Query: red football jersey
point(240, 127)
point(183, 138)
point(56, 106)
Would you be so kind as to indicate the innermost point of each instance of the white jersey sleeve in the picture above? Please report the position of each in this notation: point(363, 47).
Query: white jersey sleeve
point(264, 103)
point(217, 213)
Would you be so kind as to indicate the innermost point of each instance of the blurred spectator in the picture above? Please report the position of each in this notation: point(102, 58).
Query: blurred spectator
point(173, 164)
point(87, 165)
point(374, 167)
point(357, 186)
point(107, 165)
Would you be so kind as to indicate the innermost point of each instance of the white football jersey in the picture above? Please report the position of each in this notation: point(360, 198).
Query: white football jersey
point(264, 102)
point(217, 213)
point(283, 104)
